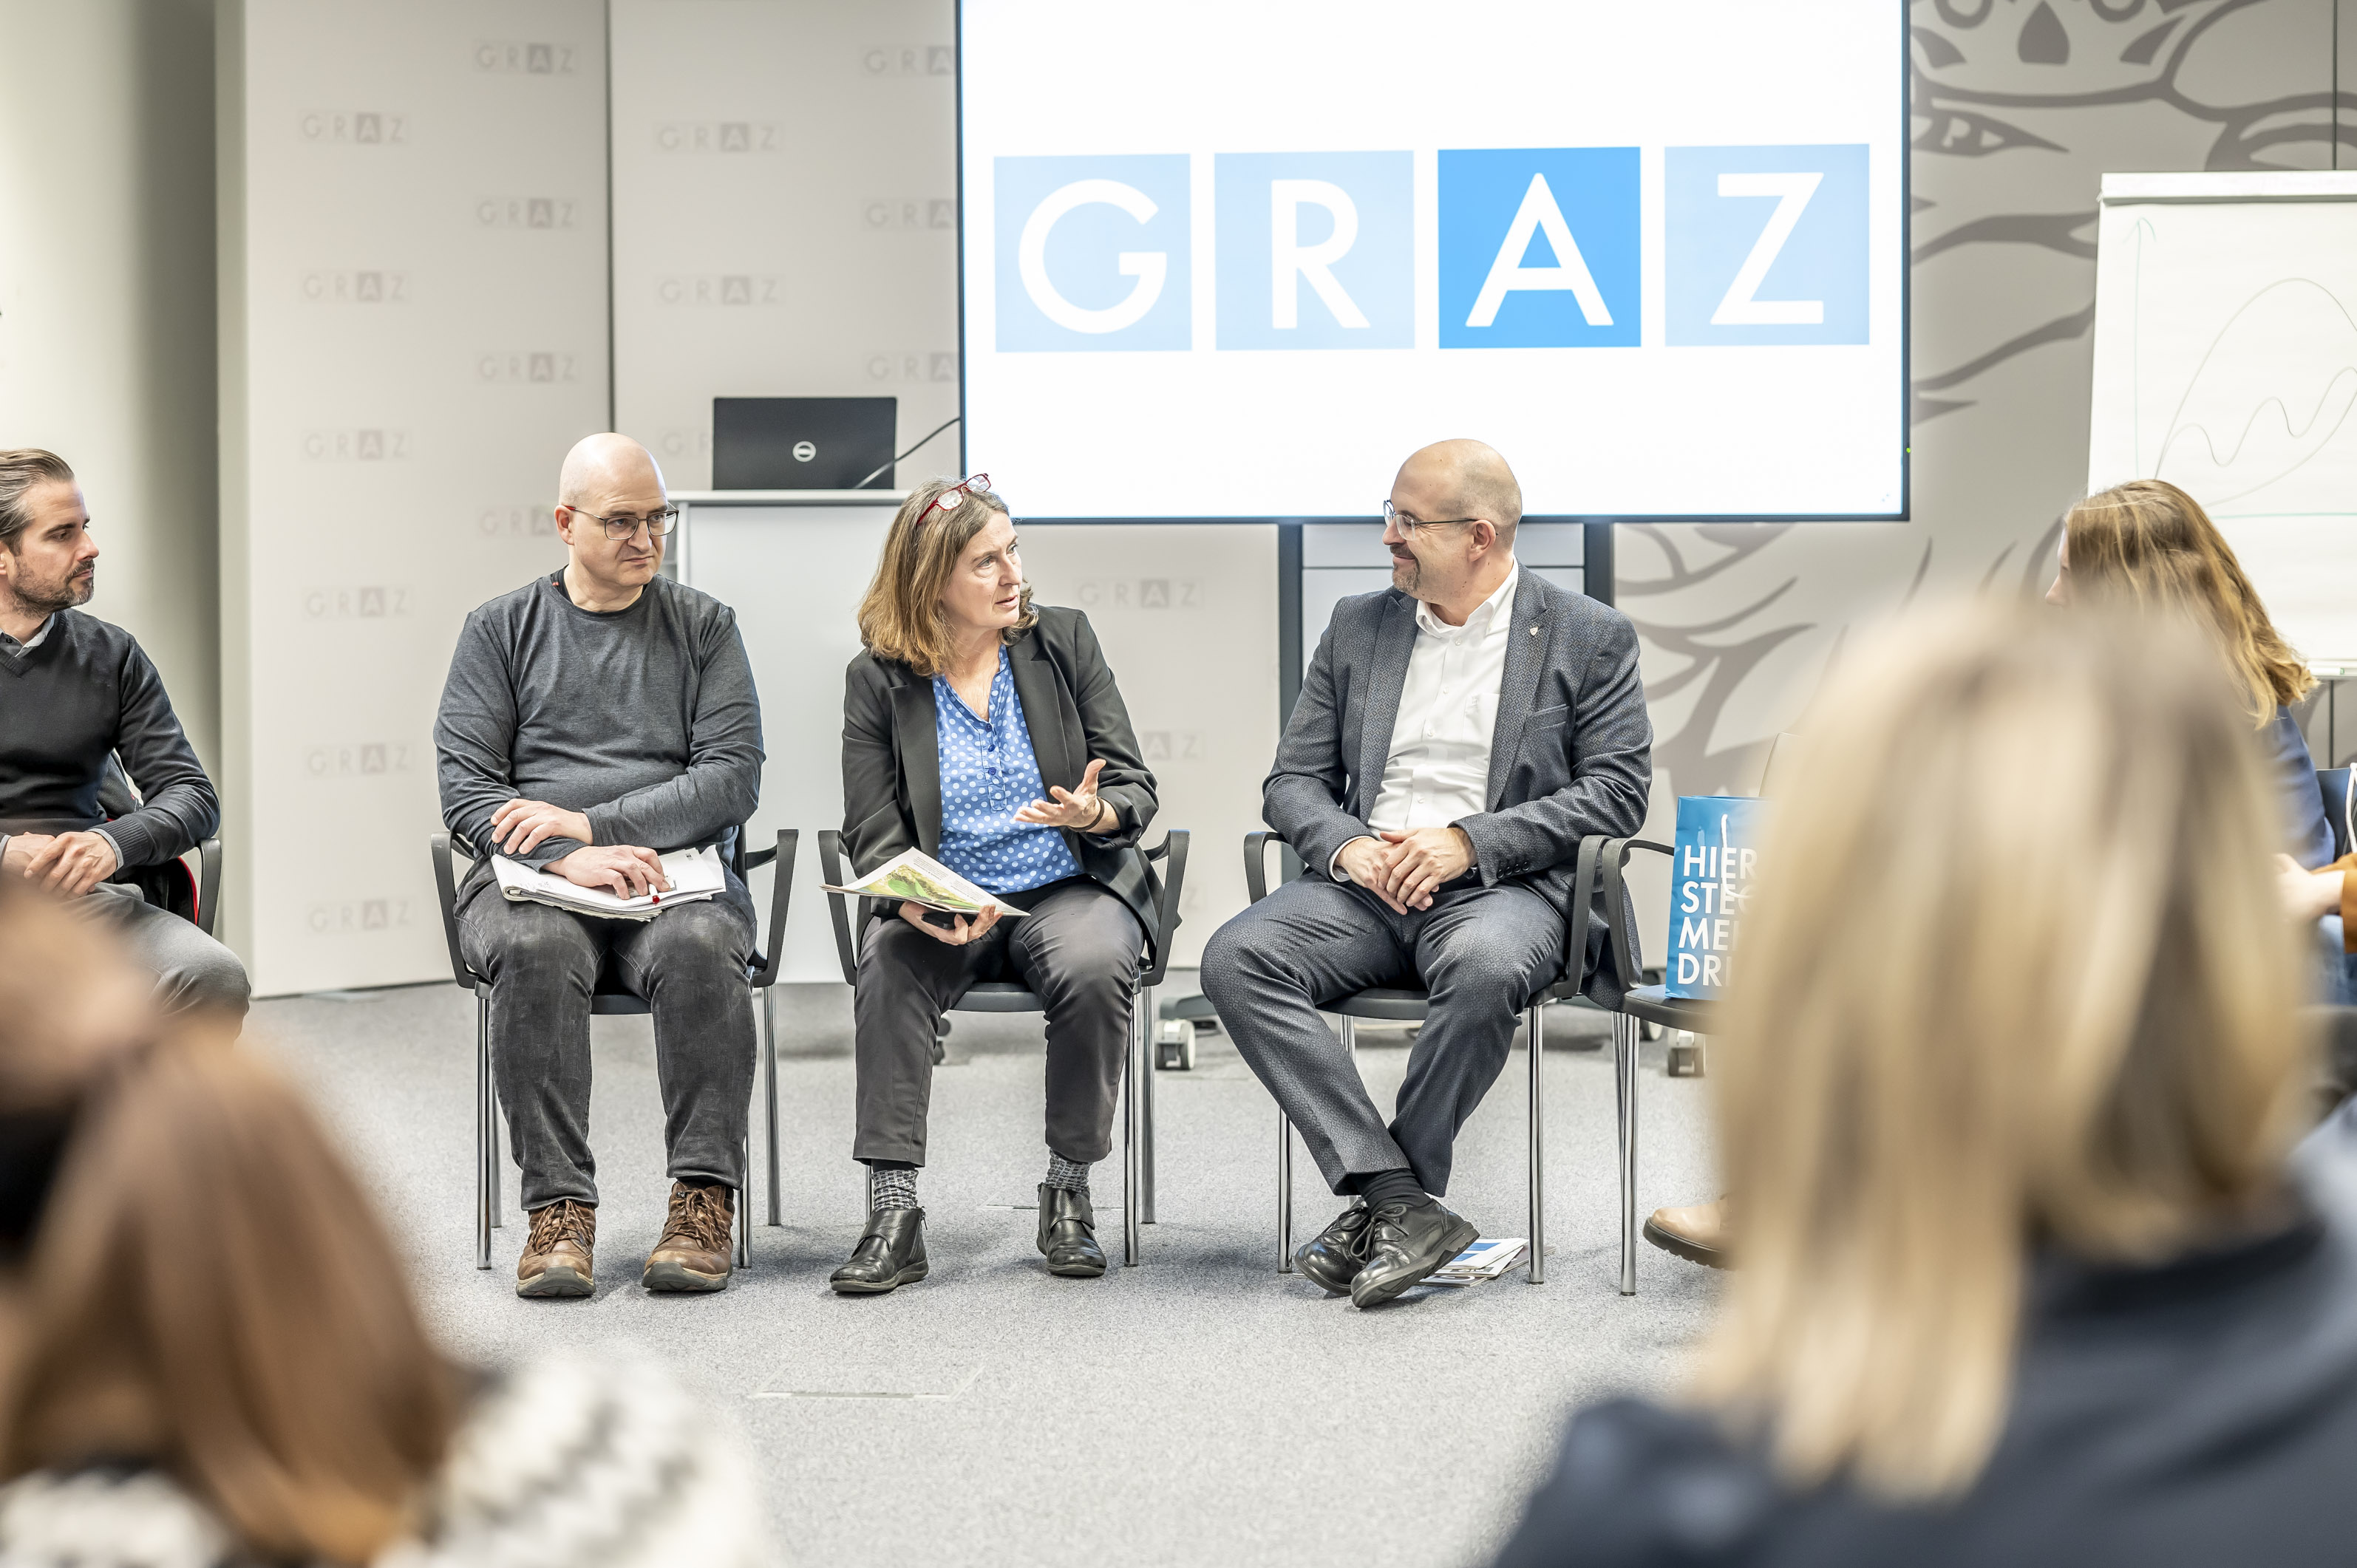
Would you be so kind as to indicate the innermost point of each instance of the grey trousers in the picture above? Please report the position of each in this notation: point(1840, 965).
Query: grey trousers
point(1481, 952)
point(191, 969)
point(1078, 950)
point(688, 963)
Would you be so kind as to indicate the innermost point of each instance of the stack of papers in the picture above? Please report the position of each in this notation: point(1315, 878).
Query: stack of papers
point(695, 875)
point(915, 877)
point(1483, 1260)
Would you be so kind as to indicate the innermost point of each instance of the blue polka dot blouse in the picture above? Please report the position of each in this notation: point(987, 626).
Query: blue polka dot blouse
point(988, 769)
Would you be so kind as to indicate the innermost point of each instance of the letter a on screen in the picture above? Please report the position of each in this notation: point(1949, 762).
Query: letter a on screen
point(1539, 212)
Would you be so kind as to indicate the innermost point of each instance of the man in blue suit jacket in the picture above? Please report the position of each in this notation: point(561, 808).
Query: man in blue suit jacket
point(1456, 735)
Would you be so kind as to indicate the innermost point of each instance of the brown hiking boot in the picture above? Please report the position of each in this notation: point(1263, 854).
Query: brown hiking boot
point(556, 1257)
point(692, 1254)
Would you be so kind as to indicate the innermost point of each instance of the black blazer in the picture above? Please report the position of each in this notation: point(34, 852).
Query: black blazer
point(1570, 755)
point(892, 764)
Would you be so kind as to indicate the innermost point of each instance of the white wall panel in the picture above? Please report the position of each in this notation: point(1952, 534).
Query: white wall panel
point(414, 332)
point(795, 575)
point(785, 196)
point(106, 307)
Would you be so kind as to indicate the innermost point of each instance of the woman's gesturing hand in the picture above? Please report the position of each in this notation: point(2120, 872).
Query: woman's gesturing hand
point(1078, 810)
point(959, 931)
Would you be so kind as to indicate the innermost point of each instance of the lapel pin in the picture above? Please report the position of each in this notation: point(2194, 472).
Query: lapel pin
point(1535, 632)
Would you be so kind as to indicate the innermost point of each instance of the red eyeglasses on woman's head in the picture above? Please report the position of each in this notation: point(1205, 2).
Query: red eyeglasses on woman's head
point(948, 500)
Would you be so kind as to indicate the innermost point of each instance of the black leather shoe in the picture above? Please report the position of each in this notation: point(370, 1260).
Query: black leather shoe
point(891, 1253)
point(1335, 1255)
point(1405, 1242)
point(1068, 1233)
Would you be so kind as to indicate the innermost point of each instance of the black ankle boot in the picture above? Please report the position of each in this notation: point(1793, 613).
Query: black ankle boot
point(1068, 1232)
point(891, 1252)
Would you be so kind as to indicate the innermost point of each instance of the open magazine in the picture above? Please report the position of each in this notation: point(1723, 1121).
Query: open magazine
point(913, 877)
point(1484, 1260)
point(695, 875)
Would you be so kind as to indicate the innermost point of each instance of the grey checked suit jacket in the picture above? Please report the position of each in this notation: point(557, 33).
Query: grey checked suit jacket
point(1571, 755)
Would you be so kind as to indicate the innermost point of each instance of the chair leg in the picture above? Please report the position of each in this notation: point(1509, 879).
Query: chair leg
point(768, 1044)
point(1351, 1036)
point(1624, 1078)
point(1284, 1194)
point(1133, 1147)
point(499, 1158)
point(1538, 1145)
point(485, 1170)
point(744, 1204)
point(1147, 1078)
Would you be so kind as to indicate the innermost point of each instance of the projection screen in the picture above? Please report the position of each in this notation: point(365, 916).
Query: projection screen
point(1236, 258)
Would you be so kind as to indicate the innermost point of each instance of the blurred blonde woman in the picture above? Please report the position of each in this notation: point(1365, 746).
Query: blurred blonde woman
point(2009, 1072)
point(209, 1354)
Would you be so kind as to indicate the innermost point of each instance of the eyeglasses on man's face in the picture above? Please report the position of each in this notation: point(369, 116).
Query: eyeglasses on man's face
point(1394, 517)
point(625, 526)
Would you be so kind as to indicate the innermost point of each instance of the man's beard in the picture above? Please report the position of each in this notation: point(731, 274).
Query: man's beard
point(1415, 570)
point(65, 593)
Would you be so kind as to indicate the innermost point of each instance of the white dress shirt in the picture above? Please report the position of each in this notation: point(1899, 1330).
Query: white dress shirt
point(1437, 769)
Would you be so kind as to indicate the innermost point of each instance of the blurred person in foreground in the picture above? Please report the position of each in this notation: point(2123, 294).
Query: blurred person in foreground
point(77, 696)
point(594, 720)
point(2025, 1277)
point(2147, 548)
point(209, 1354)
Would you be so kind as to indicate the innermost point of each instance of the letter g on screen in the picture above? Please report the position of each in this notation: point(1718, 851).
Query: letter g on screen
point(1090, 253)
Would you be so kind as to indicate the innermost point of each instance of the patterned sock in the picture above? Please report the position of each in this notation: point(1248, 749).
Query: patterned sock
point(1069, 1175)
point(895, 1186)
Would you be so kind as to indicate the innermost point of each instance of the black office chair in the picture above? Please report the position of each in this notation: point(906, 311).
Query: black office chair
point(1005, 996)
point(1408, 1005)
point(611, 998)
point(168, 885)
point(1640, 1004)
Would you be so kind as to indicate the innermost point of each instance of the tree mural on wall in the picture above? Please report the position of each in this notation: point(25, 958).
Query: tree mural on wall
point(2019, 107)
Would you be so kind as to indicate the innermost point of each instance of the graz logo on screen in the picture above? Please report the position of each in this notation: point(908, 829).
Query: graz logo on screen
point(1537, 248)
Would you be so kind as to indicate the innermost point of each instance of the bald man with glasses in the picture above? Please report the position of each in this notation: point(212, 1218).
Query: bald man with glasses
point(1456, 735)
point(595, 719)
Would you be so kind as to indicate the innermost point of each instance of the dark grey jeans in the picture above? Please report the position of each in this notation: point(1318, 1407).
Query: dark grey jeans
point(688, 963)
point(1480, 951)
point(1078, 950)
point(192, 971)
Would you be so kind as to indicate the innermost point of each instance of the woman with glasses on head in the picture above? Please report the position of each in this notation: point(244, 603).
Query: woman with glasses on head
point(988, 733)
point(2026, 1277)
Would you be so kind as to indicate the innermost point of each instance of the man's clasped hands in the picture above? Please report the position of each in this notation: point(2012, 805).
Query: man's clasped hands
point(1404, 869)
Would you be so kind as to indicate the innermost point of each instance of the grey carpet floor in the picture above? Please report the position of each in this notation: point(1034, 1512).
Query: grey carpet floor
point(1198, 1409)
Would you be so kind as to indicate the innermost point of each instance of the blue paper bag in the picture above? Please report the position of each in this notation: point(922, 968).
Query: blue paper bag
point(1710, 883)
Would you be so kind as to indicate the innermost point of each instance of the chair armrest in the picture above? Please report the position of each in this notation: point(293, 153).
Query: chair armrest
point(1173, 851)
point(209, 876)
point(1257, 862)
point(830, 862)
point(446, 887)
point(781, 898)
point(1627, 958)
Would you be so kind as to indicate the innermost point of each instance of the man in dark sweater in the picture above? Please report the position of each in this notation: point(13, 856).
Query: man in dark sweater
point(75, 694)
point(594, 719)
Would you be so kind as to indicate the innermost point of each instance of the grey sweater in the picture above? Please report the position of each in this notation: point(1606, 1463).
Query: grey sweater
point(645, 719)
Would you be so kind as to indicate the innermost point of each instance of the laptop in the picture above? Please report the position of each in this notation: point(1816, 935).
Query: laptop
point(803, 443)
